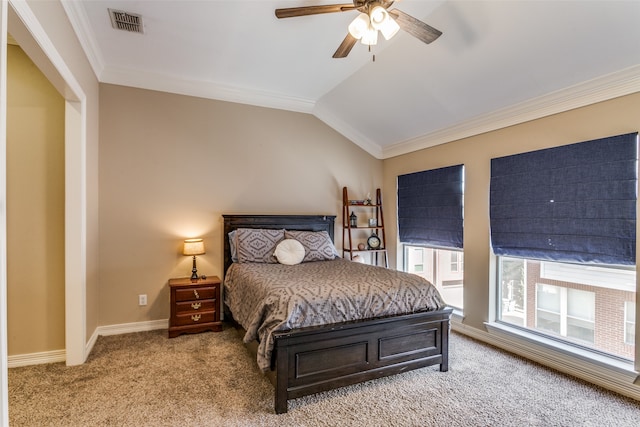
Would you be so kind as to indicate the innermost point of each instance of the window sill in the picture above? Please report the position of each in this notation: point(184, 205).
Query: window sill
point(608, 372)
point(566, 349)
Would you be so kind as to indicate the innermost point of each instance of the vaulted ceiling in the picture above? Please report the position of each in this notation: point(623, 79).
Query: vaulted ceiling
point(497, 63)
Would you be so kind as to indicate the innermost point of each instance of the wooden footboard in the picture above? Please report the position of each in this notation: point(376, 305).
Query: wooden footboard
point(315, 359)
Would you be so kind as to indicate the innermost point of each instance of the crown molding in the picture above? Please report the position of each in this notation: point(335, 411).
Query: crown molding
point(80, 23)
point(600, 89)
point(204, 89)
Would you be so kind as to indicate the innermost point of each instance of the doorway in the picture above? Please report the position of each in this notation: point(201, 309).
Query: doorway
point(17, 18)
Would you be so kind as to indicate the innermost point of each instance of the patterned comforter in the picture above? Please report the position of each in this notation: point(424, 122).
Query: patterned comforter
point(264, 298)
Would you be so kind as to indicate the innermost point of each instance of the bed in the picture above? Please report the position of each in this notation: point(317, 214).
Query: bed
point(311, 359)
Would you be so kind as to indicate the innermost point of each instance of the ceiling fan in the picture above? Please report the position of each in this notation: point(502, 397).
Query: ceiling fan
point(374, 16)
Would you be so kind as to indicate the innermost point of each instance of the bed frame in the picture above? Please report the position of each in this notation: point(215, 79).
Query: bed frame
point(320, 358)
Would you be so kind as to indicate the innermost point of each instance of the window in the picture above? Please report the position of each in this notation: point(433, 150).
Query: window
point(629, 322)
point(563, 225)
point(548, 311)
point(436, 265)
point(456, 261)
point(566, 312)
point(430, 226)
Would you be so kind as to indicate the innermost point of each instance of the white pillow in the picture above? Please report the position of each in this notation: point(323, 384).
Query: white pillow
point(289, 252)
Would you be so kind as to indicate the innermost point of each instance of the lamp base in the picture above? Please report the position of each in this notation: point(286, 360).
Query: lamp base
point(194, 271)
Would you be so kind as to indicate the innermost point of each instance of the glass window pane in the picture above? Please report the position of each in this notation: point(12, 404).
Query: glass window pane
point(581, 304)
point(580, 329)
point(630, 337)
point(549, 298)
point(630, 311)
point(630, 323)
point(548, 321)
point(437, 266)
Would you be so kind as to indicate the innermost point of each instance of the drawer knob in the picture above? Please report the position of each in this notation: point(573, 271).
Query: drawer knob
point(196, 305)
point(195, 293)
point(195, 317)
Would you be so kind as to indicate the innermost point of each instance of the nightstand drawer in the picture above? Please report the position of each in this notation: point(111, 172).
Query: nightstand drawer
point(194, 318)
point(193, 294)
point(195, 306)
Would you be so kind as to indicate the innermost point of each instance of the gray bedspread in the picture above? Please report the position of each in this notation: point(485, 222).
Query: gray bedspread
point(264, 298)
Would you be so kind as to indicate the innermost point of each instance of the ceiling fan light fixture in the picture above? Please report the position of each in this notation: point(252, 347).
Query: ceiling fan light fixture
point(359, 26)
point(379, 16)
point(390, 28)
point(370, 37)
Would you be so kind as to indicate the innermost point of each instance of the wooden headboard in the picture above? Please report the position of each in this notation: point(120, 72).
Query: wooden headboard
point(288, 222)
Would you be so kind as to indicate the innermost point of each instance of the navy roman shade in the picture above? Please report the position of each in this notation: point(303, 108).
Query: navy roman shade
point(575, 203)
point(430, 207)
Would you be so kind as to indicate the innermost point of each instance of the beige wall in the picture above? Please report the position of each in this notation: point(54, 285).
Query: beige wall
point(618, 116)
point(46, 24)
point(35, 209)
point(171, 165)
point(54, 21)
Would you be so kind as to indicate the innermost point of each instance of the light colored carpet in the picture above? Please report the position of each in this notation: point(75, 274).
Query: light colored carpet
point(146, 379)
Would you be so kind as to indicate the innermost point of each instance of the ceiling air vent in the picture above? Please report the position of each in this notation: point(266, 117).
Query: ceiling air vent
point(126, 21)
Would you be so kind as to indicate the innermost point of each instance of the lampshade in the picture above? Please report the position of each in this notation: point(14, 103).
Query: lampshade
point(389, 28)
point(370, 36)
point(359, 26)
point(378, 16)
point(193, 247)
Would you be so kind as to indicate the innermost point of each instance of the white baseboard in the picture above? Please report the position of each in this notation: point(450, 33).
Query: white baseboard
point(614, 376)
point(19, 360)
point(55, 356)
point(127, 328)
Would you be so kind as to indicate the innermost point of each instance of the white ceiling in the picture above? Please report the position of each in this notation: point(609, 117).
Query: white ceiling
point(497, 63)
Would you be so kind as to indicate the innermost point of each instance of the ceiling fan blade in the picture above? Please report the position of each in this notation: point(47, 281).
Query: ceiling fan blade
point(415, 27)
point(345, 47)
point(291, 12)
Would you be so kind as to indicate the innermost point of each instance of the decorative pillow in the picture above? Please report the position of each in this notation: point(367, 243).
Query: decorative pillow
point(257, 244)
point(289, 252)
point(317, 244)
point(232, 246)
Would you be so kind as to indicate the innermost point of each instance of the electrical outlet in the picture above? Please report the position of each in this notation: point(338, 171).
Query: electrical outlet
point(142, 299)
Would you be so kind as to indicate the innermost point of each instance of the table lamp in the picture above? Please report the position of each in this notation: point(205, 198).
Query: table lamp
point(193, 247)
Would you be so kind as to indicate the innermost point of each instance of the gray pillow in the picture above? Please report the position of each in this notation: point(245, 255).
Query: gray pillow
point(317, 244)
point(257, 244)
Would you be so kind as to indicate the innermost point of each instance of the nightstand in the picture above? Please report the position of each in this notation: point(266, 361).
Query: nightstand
point(195, 306)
